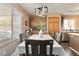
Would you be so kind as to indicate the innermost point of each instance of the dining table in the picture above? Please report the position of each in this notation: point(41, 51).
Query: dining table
point(57, 48)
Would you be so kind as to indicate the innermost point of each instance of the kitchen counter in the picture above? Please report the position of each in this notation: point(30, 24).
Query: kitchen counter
point(74, 41)
point(76, 34)
point(70, 31)
point(66, 35)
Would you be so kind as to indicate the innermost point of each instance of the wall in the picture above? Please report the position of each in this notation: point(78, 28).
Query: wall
point(37, 23)
point(37, 20)
point(23, 26)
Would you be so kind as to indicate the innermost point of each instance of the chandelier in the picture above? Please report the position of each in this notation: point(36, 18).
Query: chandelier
point(41, 11)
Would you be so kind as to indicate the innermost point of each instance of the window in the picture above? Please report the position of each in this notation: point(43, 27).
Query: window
point(68, 24)
point(5, 26)
point(10, 22)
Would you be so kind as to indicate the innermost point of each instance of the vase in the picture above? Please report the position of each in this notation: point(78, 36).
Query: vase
point(40, 33)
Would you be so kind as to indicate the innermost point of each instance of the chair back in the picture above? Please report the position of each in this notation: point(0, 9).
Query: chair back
point(39, 47)
point(58, 37)
point(22, 37)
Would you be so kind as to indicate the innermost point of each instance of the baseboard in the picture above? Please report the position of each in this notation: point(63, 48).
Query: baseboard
point(74, 50)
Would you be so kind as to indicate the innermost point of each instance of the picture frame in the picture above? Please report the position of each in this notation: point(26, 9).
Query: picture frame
point(26, 23)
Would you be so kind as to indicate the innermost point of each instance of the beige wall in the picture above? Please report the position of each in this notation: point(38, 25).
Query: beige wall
point(23, 26)
point(37, 21)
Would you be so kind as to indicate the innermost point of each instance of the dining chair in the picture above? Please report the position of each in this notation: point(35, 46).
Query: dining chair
point(25, 35)
point(58, 37)
point(22, 37)
point(28, 33)
point(53, 35)
point(39, 47)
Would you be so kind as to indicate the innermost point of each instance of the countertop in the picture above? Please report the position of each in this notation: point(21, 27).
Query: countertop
point(77, 34)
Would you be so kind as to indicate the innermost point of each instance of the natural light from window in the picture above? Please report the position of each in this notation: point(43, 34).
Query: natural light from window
point(68, 24)
point(5, 26)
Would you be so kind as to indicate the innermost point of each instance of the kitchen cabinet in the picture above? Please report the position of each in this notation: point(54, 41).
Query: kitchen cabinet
point(74, 41)
point(53, 24)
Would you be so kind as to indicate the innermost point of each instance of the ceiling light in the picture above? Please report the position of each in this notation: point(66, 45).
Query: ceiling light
point(41, 11)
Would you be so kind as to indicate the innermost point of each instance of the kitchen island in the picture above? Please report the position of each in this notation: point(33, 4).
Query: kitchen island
point(74, 42)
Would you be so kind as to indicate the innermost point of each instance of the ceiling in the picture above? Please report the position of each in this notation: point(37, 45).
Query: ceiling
point(53, 8)
point(4, 9)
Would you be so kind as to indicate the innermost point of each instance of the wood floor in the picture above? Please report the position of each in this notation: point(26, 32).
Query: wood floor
point(65, 45)
point(8, 46)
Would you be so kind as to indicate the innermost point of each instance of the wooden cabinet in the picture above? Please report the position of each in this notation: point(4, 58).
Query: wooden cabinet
point(50, 27)
point(74, 42)
point(53, 24)
point(53, 19)
point(56, 27)
point(49, 19)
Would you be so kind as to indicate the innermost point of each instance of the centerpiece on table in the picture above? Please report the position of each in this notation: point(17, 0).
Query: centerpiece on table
point(40, 29)
point(40, 33)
